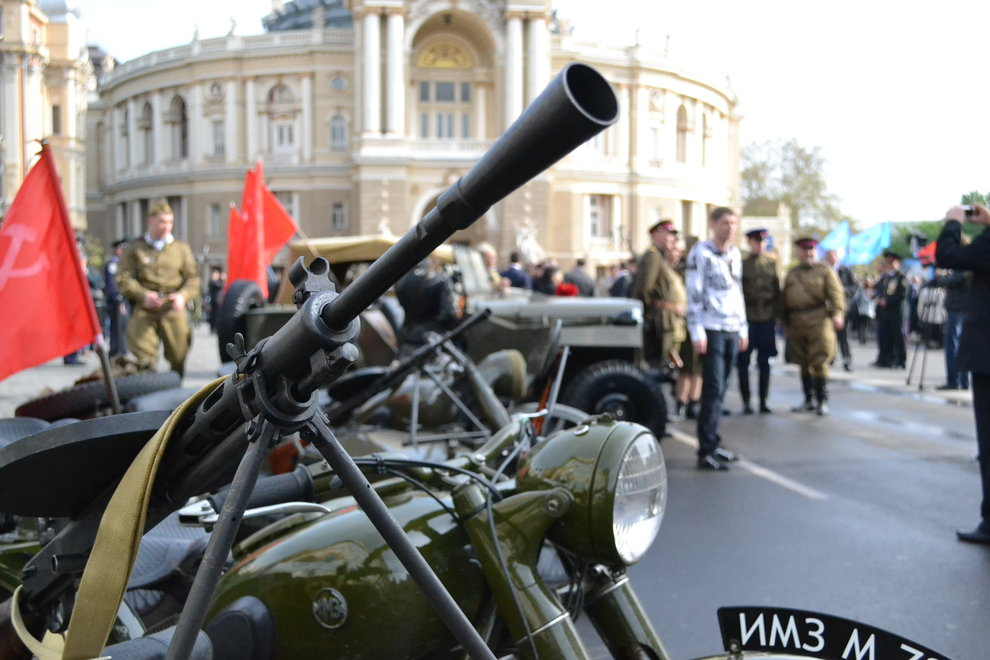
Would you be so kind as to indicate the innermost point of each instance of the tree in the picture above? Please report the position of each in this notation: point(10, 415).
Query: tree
point(787, 172)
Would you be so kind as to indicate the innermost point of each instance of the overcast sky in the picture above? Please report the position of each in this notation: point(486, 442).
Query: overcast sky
point(894, 93)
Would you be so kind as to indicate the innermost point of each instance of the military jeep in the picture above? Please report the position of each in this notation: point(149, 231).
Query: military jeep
point(604, 336)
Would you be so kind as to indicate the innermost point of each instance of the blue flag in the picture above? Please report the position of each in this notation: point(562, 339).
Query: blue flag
point(867, 245)
point(837, 239)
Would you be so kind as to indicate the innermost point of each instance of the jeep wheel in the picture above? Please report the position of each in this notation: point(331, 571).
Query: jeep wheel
point(621, 389)
point(239, 298)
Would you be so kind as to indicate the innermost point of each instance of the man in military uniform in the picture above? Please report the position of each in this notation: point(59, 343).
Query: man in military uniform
point(813, 308)
point(761, 290)
point(890, 310)
point(158, 275)
point(663, 295)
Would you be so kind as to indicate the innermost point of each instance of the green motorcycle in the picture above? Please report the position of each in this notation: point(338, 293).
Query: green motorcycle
point(490, 553)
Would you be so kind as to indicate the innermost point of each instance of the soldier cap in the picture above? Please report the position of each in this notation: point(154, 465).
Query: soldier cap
point(806, 242)
point(663, 224)
point(890, 254)
point(120, 242)
point(757, 234)
point(159, 207)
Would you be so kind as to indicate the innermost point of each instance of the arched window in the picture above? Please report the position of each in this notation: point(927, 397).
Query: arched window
point(446, 91)
point(177, 121)
point(282, 111)
point(338, 133)
point(682, 131)
point(146, 135)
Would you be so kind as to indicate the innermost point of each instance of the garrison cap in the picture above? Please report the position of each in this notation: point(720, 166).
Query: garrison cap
point(158, 207)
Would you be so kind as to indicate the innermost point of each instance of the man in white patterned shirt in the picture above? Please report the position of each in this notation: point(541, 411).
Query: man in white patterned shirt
point(716, 317)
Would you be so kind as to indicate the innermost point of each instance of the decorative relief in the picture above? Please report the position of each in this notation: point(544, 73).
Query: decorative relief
point(444, 56)
point(214, 91)
point(338, 82)
point(656, 100)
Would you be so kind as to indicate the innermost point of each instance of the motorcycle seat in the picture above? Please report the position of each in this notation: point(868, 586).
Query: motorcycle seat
point(59, 470)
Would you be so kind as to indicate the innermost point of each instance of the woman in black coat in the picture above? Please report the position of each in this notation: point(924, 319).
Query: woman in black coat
point(974, 346)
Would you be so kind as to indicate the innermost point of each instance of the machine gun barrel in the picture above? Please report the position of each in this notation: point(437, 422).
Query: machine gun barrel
point(576, 105)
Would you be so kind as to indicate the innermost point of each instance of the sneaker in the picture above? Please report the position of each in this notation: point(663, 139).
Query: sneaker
point(724, 455)
point(747, 409)
point(709, 462)
point(946, 388)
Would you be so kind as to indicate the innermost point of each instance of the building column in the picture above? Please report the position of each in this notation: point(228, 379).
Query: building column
point(372, 123)
point(195, 118)
point(513, 67)
point(395, 99)
point(133, 158)
point(480, 111)
point(231, 125)
point(538, 69)
point(158, 128)
point(251, 121)
point(138, 227)
point(306, 118)
point(11, 129)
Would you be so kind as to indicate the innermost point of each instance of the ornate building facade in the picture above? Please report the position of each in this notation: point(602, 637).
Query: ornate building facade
point(364, 112)
point(45, 72)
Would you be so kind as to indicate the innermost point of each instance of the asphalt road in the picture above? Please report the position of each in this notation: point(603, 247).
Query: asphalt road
point(851, 515)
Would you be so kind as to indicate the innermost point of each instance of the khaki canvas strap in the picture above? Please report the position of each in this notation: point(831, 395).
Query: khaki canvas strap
point(111, 561)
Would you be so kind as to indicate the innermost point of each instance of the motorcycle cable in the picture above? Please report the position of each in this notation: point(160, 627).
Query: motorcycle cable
point(524, 443)
point(440, 467)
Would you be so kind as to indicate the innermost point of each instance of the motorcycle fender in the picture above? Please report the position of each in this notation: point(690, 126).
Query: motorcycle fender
point(333, 585)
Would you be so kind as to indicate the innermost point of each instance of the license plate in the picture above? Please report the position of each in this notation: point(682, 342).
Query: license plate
point(815, 635)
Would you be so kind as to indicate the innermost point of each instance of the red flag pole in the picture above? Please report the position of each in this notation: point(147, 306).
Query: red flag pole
point(101, 352)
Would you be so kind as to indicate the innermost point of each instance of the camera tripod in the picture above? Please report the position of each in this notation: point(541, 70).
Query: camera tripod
point(929, 320)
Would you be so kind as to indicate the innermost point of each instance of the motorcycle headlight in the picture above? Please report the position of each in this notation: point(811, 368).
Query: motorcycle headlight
point(617, 476)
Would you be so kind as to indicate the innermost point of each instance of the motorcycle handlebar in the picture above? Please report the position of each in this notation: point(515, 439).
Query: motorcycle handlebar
point(295, 486)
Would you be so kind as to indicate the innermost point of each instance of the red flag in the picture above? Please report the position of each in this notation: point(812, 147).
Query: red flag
point(44, 294)
point(926, 255)
point(257, 233)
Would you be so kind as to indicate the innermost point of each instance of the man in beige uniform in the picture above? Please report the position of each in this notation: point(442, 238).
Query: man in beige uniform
point(158, 275)
point(664, 297)
point(814, 308)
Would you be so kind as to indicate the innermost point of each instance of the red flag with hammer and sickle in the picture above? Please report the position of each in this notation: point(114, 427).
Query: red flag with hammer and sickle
point(45, 300)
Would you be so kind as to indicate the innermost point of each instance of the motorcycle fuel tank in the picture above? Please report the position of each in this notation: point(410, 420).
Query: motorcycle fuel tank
point(334, 589)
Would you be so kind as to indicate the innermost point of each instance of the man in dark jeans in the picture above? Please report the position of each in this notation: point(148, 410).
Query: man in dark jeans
point(974, 347)
point(956, 285)
point(716, 315)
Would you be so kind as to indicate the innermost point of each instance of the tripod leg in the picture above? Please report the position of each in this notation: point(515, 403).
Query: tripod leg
point(320, 435)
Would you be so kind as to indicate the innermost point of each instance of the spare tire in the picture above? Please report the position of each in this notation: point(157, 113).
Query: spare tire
point(240, 297)
point(622, 389)
point(86, 399)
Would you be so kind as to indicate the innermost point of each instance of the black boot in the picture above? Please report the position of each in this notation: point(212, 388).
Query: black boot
point(821, 394)
point(678, 415)
point(764, 388)
point(691, 410)
point(744, 389)
point(808, 404)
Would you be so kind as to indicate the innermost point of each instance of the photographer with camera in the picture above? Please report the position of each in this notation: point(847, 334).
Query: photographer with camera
point(974, 347)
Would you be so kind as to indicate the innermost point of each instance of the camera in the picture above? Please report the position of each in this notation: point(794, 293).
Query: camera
point(970, 211)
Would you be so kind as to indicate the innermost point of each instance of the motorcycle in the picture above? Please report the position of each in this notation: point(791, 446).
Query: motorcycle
point(492, 551)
